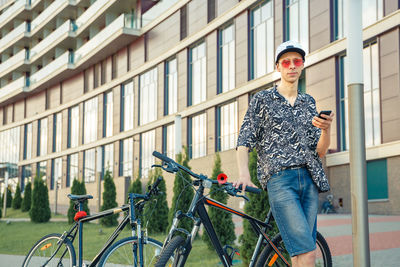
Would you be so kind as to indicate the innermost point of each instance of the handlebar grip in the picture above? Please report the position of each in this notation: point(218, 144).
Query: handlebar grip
point(251, 189)
point(157, 182)
point(162, 157)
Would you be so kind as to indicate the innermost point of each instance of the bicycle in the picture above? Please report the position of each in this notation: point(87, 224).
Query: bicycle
point(136, 250)
point(273, 254)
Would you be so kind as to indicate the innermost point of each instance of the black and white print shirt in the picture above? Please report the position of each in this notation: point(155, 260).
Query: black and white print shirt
point(283, 135)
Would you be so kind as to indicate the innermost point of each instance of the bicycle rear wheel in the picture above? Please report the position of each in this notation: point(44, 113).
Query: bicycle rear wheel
point(49, 252)
point(121, 253)
point(268, 256)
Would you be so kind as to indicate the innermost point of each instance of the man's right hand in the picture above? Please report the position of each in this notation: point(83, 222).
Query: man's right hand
point(244, 181)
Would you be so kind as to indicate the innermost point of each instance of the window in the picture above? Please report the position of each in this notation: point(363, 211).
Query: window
point(197, 131)
point(211, 10)
point(372, 11)
point(73, 127)
point(95, 76)
point(56, 173)
point(90, 120)
point(296, 19)
point(371, 98)
point(147, 146)
point(183, 21)
point(9, 152)
point(108, 114)
point(127, 106)
point(262, 40)
point(227, 126)
point(103, 67)
point(28, 141)
point(377, 181)
point(72, 168)
point(197, 74)
point(107, 163)
point(57, 132)
point(171, 87)
point(226, 59)
point(169, 141)
point(114, 66)
point(126, 158)
point(148, 97)
point(26, 176)
point(41, 170)
point(89, 162)
point(42, 137)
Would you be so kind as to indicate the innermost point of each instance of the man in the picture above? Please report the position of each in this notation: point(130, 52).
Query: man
point(290, 139)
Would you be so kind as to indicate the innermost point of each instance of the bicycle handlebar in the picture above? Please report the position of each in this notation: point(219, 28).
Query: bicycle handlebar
point(175, 165)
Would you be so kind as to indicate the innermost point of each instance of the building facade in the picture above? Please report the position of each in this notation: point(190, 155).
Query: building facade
point(89, 86)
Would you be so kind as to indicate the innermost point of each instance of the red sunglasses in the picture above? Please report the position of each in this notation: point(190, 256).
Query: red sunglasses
point(297, 62)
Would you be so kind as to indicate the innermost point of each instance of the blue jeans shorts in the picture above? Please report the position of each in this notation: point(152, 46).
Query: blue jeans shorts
point(293, 198)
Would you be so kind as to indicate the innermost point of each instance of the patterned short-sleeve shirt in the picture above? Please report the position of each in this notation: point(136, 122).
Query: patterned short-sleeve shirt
point(283, 135)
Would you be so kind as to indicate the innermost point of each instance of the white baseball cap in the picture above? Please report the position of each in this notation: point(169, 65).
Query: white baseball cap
point(289, 46)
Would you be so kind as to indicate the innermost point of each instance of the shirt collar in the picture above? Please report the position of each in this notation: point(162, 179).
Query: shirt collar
point(276, 95)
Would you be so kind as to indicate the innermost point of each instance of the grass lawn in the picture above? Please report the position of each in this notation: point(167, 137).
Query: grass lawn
point(12, 213)
point(18, 237)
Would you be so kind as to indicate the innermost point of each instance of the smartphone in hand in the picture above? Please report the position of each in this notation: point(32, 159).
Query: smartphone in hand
point(326, 112)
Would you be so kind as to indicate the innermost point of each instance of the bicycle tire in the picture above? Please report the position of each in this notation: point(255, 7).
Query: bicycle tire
point(120, 253)
point(324, 257)
point(45, 247)
point(169, 252)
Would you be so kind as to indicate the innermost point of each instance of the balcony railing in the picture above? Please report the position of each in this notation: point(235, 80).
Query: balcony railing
point(50, 40)
point(12, 36)
point(52, 68)
point(123, 21)
point(13, 87)
point(19, 4)
point(10, 63)
point(91, 12)
point(48, 13)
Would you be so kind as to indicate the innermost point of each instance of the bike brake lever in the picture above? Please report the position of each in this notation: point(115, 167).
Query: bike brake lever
point(244, 196)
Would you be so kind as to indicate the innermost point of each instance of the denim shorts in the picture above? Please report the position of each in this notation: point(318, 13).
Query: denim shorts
point(293, 198)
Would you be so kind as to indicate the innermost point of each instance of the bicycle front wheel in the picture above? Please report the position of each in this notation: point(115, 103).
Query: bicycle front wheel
point(269, 257)
point(121, 253)
point(49, 251)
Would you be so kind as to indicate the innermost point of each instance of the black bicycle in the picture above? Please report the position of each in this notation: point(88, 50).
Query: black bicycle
point(273, 253)
point(136, 250)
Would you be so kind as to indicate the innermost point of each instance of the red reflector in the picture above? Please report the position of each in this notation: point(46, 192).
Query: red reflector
point(79, 215)
point(222, 178)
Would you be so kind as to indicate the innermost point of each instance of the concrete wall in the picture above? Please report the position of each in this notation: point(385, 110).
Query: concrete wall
point(319, 24)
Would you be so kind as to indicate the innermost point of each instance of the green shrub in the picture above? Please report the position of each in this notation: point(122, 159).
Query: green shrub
point(9, 197)
point(109, 200)
point(77, 188)
point(157, 210)
point(257, 207)
point(17, 201)
point(27, 200)
point(183, 193)
point(136, 186)
point(40, 210)
point(222, 221)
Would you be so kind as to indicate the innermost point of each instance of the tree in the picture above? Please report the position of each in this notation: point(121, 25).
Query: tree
point(258, 207)
point(222, 221)
point(9, 197)
point(17, 201)
point(136, 186)
point(157, 210)
point(183, 193)
point(40, 210)
point(109, 200)
point(26, 202)
point(77, 188)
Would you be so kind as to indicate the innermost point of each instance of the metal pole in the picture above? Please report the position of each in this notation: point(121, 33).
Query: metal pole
point(5, 193)
point(178, 134)
point(358, 174)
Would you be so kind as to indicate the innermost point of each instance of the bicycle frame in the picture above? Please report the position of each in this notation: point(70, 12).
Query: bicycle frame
point(129, 218)
point(198, 206)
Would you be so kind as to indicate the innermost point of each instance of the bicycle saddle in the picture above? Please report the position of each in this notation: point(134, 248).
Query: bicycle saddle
point(79, 198)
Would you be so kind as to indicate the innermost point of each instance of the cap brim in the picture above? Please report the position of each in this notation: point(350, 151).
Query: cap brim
point(291, 49)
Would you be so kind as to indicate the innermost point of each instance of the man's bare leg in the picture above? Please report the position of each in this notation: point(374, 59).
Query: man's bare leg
point(304, 260)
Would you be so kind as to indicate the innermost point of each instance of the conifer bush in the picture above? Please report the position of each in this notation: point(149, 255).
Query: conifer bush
point(136, 186)
point(9, 197)
point(17, 201)
point(156, 210)
point(40, 210)
point(27, 200)
point(183, 192)
point(222, 221)
point(77, 188)
point(257, 207)
point(109, 200)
